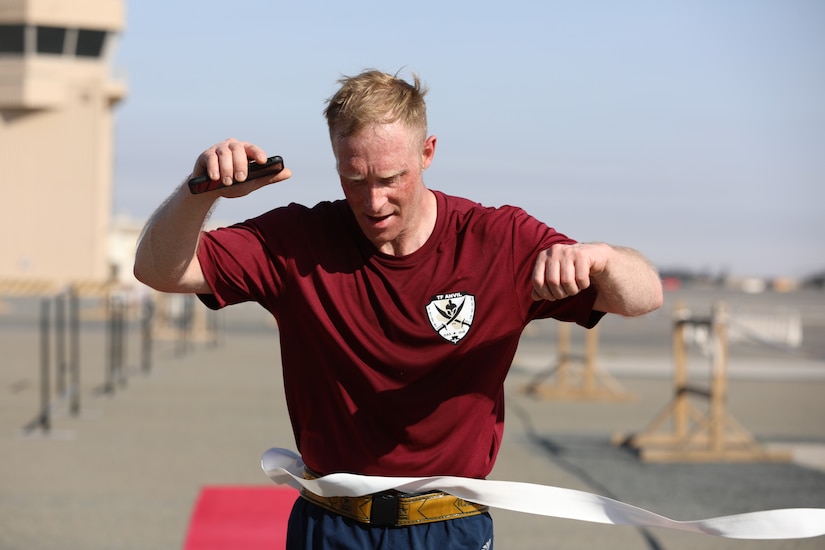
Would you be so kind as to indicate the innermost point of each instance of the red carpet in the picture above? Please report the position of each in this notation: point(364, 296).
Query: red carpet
point(235, 518)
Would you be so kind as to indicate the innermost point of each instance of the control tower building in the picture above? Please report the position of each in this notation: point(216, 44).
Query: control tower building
point(57, 96)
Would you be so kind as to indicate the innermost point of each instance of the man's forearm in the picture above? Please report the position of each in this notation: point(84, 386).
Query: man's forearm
point(630, 284)
point(166, 257)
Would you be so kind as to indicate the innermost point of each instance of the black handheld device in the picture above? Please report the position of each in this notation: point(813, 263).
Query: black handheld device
point(272, 166)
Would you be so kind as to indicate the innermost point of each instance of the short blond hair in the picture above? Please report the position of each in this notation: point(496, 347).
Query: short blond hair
point(375, 97)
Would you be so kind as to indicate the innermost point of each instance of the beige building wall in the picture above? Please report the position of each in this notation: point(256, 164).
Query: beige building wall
point(56, 137)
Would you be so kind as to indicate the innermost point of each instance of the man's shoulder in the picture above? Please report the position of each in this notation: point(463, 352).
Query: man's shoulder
point(297, 212)
point(455, 203)
point(470, 209)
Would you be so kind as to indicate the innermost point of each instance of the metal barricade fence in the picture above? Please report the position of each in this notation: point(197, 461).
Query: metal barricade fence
point(126, 315)
point(58, 326)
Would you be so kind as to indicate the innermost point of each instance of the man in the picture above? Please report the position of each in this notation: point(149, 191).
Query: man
point(399, 311)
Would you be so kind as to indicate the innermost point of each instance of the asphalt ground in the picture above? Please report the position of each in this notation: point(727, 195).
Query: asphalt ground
point(125, 473)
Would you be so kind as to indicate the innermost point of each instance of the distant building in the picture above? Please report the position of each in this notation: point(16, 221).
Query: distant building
point(56, 137)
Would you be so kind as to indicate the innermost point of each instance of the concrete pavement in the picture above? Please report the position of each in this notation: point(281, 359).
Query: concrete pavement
point(126, 472)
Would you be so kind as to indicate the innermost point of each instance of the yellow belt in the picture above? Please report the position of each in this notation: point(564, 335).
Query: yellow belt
point(394, 509)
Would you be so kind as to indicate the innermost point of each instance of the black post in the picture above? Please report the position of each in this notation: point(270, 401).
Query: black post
point(184, 325)
point(45, 389)
point(117, 373)
point(108, 383)
point(60, 343)
point(146, 332)
point(121, 339)
point(74, 351)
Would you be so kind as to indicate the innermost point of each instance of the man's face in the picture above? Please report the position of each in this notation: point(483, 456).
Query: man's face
point(381, 170)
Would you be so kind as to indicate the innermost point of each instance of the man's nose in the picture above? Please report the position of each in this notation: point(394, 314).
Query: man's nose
point(374, 199)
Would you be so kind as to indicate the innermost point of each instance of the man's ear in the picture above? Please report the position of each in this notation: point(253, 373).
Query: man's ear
point(428, 152)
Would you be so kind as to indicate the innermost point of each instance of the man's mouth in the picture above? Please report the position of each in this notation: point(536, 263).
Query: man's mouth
point(375, 220)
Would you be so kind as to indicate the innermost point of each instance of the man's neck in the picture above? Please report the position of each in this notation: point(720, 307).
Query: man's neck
point(415, 237)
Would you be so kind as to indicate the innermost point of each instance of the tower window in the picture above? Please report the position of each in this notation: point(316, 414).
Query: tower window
point(50, 39)
point(12, 38)
point(90, 43)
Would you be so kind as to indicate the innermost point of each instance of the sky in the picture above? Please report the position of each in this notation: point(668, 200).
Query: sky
point(693, 131)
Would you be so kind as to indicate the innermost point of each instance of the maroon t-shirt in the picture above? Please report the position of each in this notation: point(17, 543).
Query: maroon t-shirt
point(392, 365)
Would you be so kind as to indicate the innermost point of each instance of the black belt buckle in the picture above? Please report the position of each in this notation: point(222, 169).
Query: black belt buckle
point(384, 511)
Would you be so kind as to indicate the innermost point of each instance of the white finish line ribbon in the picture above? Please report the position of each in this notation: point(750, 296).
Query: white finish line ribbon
point(284, 467)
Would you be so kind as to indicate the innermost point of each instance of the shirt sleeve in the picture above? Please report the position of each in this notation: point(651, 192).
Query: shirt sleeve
point(237, 266)
point(530, 237)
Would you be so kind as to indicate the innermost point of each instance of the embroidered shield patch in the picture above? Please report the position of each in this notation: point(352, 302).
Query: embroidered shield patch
point(451, 315)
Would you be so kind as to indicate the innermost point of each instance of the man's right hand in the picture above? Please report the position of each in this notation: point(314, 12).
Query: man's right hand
point(167, 253)
point(228, 161)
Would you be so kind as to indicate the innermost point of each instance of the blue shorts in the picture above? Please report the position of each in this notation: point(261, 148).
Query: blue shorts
point(314, 528)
